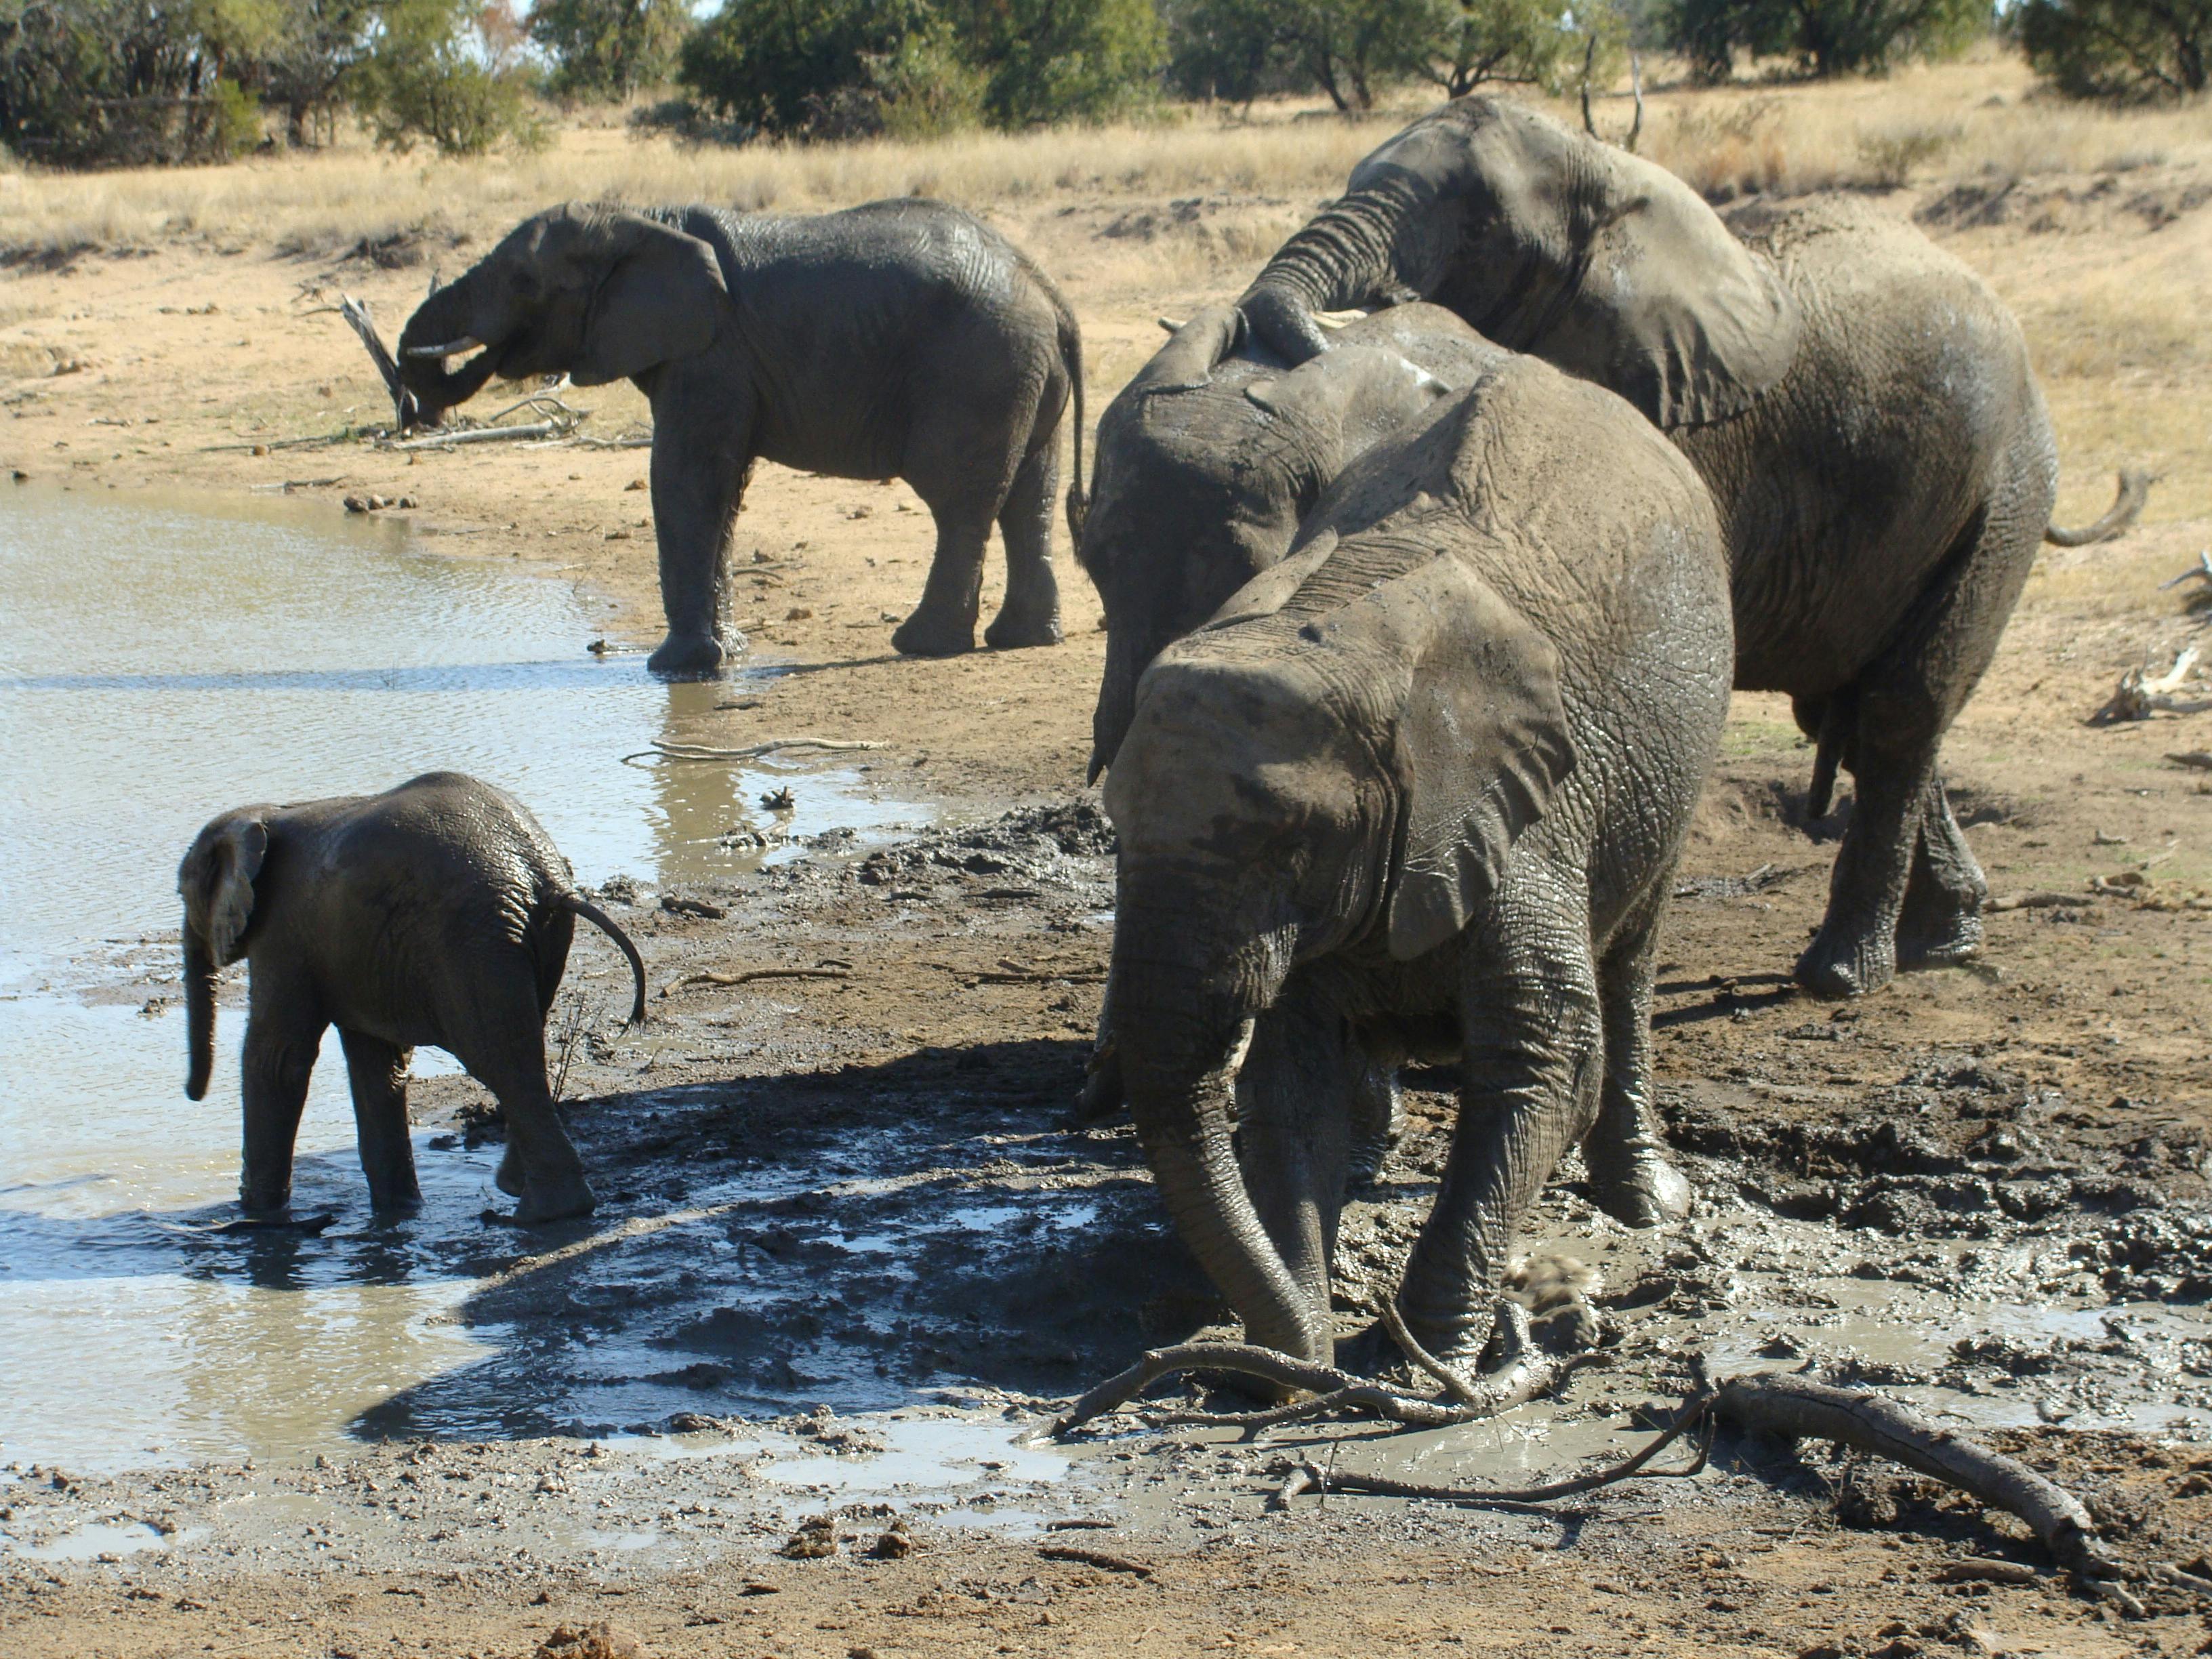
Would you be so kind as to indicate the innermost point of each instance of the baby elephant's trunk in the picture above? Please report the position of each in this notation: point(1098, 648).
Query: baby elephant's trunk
point(199, 1007)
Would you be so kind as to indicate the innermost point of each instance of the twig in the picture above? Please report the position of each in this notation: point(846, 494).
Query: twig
point(691, 751)
point(708, 976)
point(1103, 1558)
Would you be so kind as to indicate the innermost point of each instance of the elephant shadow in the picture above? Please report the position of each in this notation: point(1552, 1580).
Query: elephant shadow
point(861, 1237)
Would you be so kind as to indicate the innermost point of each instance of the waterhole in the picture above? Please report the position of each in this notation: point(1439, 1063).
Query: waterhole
point(164, 658)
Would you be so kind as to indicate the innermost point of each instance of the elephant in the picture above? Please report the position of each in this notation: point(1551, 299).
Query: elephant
point(898, 339)
point(435, 913)
point(1419, 789)
point(1859, 404)
point(1202, 468)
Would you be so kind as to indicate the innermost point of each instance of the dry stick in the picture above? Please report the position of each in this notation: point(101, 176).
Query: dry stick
point(1796, 1408)
point(692, 752)
point(1533, 1497)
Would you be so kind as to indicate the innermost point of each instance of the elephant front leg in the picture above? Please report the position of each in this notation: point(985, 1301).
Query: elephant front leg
point(1030, 613)
point(1941, 923)
point(1295, 1132)
point(378, 1073)
point(1534, 1054)
point(1632, 1178)
point(281, 1037)
point(699, 466)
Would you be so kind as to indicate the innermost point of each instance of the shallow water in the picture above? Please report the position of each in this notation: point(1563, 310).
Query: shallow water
point(165, 658)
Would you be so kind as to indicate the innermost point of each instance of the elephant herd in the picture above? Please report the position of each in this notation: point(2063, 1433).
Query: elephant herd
point(1422, 626)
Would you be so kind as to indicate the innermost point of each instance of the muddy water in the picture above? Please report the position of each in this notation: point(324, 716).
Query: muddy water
point(163, 658)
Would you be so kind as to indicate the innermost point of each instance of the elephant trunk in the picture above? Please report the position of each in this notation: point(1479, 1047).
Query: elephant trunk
point(199, 1010)
point(451, 317)
point(1345, 258)
point(1179, 1067)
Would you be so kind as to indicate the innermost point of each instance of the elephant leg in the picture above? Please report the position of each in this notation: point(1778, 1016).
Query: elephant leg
point(1295, 1137)
point(378, 1073)
point(1907, 698)
point(699, 466)
point(1941, 923)
point(1534, 1054)
point(1631, 1176)
point(944, 624)
point(504, 1049)
point(1031, 613)
point(282, 1032)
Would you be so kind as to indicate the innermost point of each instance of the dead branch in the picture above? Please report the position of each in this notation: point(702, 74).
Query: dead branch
point(405, 411)
point(2127, 507)
point(692, 752)
point(709, 976)
point(1799, 1409)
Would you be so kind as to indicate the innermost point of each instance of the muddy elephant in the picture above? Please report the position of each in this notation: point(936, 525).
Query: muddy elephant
point(1419, 788)
point(899, 339)
point(436, 912)
point(1858, 402)
point(1203, 467)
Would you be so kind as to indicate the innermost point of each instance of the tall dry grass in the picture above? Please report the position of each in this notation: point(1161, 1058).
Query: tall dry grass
point(1976, 118)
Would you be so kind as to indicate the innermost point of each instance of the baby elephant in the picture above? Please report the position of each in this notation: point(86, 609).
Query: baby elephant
point(436, 912)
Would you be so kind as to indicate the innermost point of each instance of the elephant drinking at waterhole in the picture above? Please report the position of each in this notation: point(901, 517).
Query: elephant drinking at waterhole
point(898, 339)
point(1420, 788)
point(436, 912)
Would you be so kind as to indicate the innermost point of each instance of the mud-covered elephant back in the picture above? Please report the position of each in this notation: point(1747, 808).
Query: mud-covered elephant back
point(1606, 265)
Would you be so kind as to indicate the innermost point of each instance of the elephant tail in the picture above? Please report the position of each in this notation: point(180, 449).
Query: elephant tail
point(1071, 358)
point(2127, 507)
point(605, 923)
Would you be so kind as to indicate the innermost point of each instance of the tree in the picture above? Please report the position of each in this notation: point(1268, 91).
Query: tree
point(1826, 37)
point(609, 49)
point(2127, 49)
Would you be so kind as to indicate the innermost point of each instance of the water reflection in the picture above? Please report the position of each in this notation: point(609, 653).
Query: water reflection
point(162, 661)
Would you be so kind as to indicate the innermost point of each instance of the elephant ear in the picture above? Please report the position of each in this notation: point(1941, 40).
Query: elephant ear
point(1673, 312)
point(660, 300)
point(217, 881)
point(1480, 743)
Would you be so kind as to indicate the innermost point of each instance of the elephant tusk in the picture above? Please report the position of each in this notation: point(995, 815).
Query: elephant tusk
point(451, 349)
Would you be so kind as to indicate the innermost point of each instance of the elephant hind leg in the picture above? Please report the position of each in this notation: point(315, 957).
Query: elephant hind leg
point(378, 1073)
point(1031, 613)
point(1908, 696)
point(1632, 1178)
point(1941, 923)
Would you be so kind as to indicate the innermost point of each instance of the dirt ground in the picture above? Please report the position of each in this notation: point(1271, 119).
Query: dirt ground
point(863, 1188)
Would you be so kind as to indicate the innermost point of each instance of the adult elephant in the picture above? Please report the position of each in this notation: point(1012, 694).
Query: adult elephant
point(1859, 404)
point(438, 911)
point(1420, 786)
point(900, 339)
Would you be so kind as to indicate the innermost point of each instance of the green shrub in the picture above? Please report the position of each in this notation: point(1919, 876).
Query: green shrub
point(2123, 49)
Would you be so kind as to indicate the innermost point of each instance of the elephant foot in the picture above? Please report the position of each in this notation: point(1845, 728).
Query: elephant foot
point(1941, 946)
point(560, 1199)
point(1837, 966)
point(698, 656)
point(1017, 633)
point(1648, 1192)
point(924, 636)
point(510, 1180)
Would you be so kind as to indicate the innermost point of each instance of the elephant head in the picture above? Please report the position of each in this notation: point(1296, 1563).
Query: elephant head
point(1549, 242)
point(1205, 468)
point(215, 882)
point(596, 293)
point(1294, 784)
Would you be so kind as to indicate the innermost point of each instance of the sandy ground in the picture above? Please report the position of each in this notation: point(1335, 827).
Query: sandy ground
point(2035, 1128)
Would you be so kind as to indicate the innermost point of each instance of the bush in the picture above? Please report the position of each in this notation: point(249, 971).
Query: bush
point(439, 71)
point(125, 83)
point(1826, 37)
point(609, 49)
point(2125, 49)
